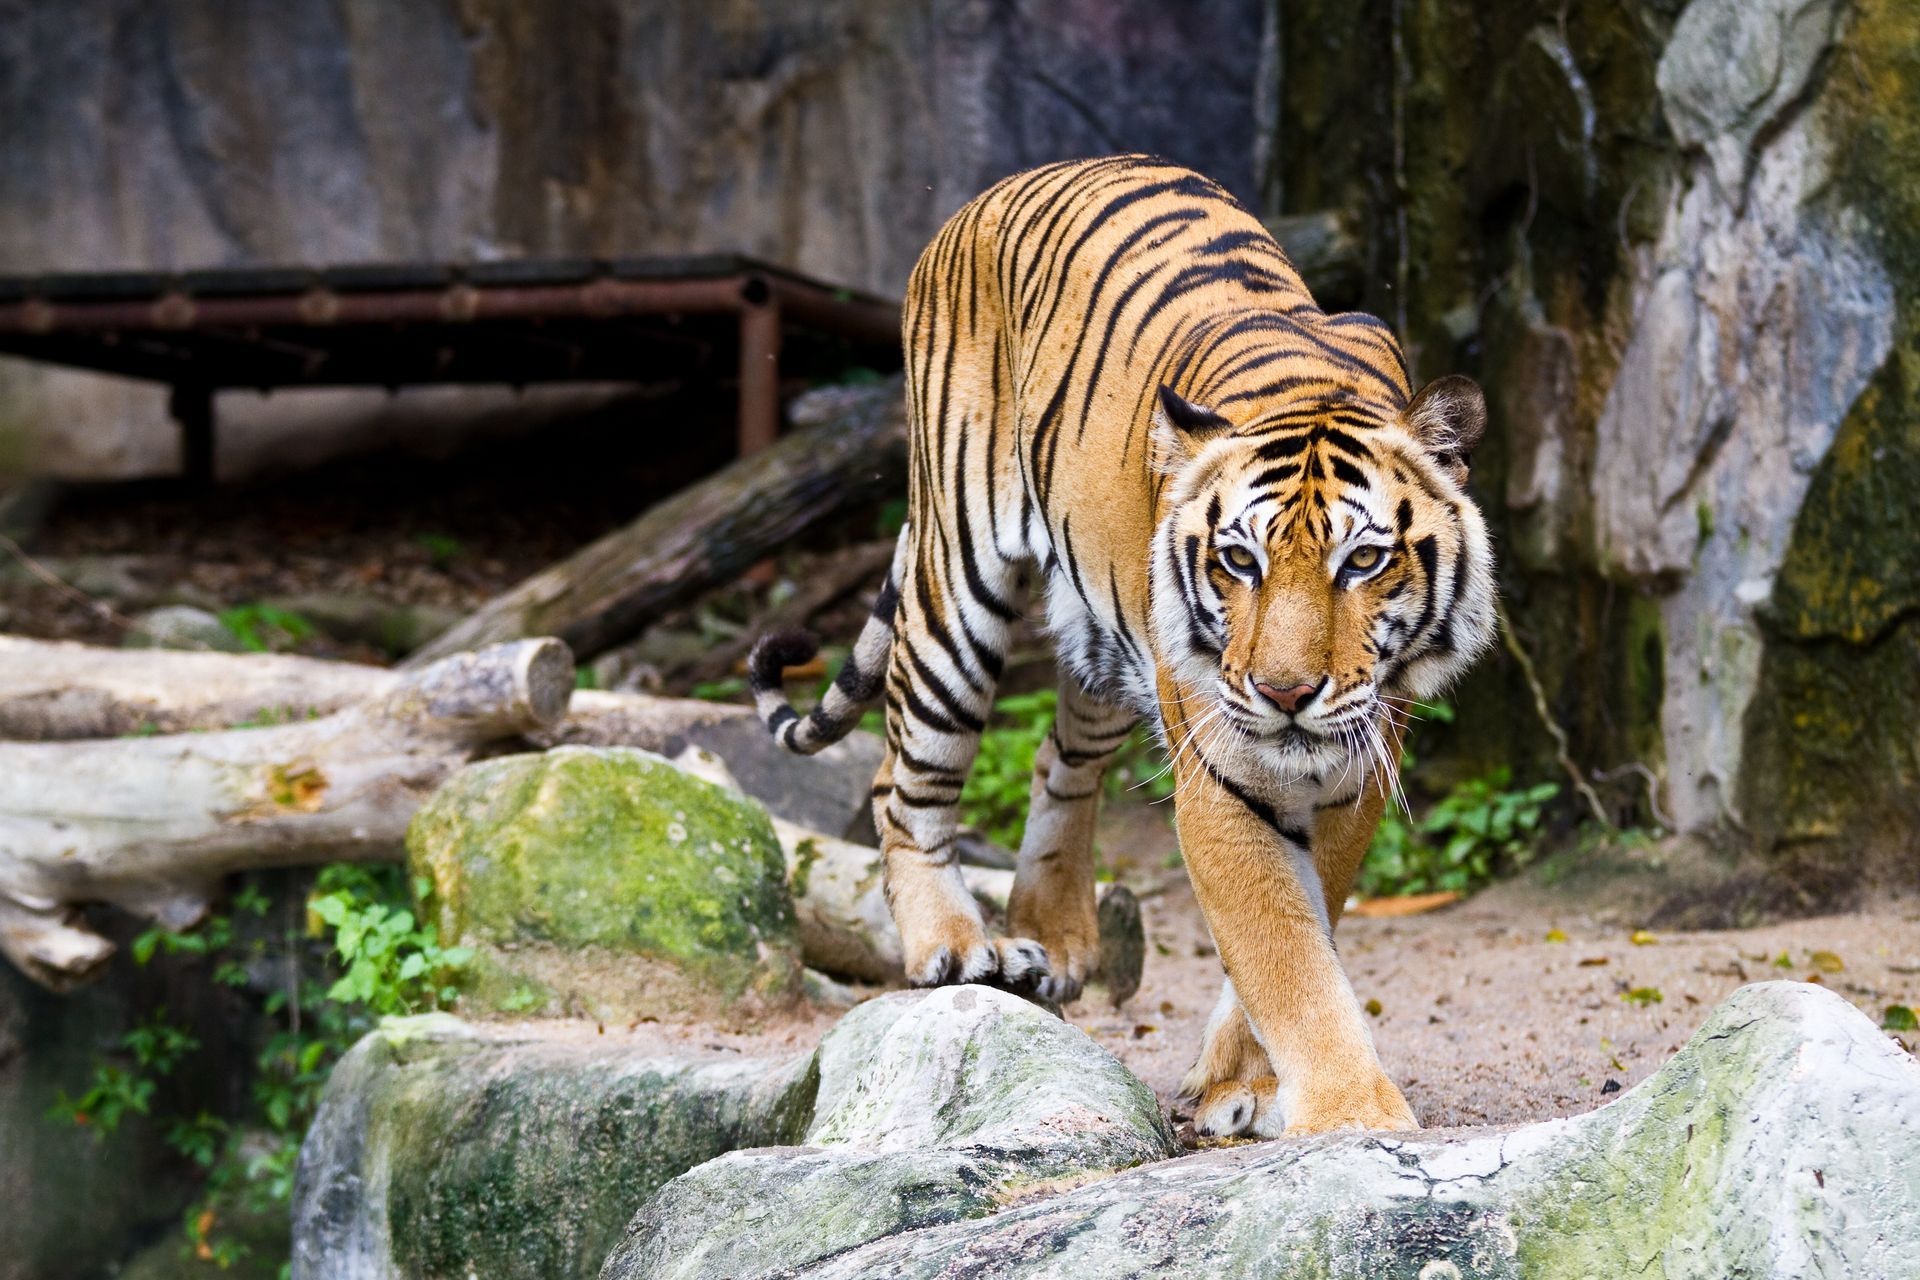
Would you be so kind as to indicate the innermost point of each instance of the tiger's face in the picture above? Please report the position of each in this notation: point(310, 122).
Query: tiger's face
point(1318, 565)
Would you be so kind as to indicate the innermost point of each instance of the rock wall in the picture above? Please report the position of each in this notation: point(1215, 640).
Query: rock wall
point(1654, 231)
point(834, 136)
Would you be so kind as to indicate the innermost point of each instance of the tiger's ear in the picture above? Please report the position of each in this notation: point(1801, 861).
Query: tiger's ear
point(1449, 417)
point(1182, 428)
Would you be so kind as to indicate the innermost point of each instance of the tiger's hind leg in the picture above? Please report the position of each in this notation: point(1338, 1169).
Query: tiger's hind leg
point(1053, 889)
point(941, 680)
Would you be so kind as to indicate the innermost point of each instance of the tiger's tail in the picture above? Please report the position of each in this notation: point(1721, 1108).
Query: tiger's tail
point(857, 687)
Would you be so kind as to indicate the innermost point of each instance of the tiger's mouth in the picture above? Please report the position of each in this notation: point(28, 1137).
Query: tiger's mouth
point(1288, 734)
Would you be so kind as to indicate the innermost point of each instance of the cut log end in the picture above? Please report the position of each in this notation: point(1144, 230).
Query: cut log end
point(51, 945)
point(1123, 943)
point(503, 689)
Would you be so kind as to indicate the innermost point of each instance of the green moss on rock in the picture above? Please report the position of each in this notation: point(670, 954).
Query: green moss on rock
point(446, 1150)
point(1832, 774)
point(609, 883)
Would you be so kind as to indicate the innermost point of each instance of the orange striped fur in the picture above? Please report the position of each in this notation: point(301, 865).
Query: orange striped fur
point(1247, 531)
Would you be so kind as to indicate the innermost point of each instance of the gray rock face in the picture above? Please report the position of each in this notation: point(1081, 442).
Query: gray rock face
point(181, 626)
point(835, 137)
point(445, 1148)
point(933, 1108)
point(1761, 314)
point(1783, 1141)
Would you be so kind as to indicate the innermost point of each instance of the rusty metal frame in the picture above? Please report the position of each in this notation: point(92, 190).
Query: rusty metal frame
point(763, 301)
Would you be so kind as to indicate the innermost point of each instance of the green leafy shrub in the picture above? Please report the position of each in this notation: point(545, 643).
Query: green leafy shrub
point(995, 799)
point(125, 1083)
point(366, 956)
point(442, 548)
point(1474, 834)
point(263, 628)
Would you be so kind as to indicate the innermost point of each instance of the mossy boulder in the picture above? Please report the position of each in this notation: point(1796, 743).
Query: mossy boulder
point(1783, 1140)
point(932, 1107)
point(606, 883)
point(515, 1151)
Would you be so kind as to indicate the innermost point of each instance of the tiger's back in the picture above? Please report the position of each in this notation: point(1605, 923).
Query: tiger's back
point(1039, 324)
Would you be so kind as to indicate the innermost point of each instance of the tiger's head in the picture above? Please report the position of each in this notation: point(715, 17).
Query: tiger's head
point(1318, 561)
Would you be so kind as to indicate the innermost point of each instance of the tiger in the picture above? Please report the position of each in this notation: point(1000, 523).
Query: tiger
point(1248, 532)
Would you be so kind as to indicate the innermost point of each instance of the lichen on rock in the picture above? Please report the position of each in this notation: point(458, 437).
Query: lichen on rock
point(518, 1152)
point(605, 882)
point(1783, 1140)
point(932, 1108)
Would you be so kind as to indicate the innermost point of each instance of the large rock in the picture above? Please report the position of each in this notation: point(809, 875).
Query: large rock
point(1782, 1141)
point(1761, 314)
point(446, 1149)
point(831, 792)
point(605, 882)
point(1664, 236)
point(933, 1107)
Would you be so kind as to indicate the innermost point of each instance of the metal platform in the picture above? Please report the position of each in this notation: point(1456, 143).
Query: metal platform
point(514, 322)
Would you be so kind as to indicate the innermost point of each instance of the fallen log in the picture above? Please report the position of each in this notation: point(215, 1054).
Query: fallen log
point(152, 797)
point(151, 824)
point(825, 582)
point(53, 691)
point(846, 928)
point(850, 449)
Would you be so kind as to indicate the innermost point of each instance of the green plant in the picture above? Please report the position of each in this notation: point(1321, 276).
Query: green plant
point(377, 960)
point(146, 1055)
point(1000, 786)
point(394, 964)
point(443, 548)
point(722, 690)
point(994, 801)
point(1475, 833)
point(892, 515)
point(265, 627)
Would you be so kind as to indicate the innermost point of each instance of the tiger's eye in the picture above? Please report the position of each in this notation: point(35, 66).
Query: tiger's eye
point(1240, 558)
point(1363, 558)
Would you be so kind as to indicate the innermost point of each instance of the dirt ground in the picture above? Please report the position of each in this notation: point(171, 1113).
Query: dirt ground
point(1484, 1017)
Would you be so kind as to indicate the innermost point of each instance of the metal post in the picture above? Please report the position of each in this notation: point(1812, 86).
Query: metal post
point(759, 373)
point(192, 407)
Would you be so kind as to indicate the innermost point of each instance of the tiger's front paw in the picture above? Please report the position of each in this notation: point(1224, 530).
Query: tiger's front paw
point(1239, 1109)
point(1070, 944)
point(969, 955)
point(1366, 1101)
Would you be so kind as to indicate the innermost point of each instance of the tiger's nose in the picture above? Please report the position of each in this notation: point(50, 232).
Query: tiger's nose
point(1290, 699)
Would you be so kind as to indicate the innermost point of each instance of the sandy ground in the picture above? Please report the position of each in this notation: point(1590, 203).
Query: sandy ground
point(1485, 1020)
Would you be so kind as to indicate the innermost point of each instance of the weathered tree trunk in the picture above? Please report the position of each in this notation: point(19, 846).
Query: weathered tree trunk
point(846, 927)
point(825, 582)
point(52, 691)
point(852, 450)
point(151, 824)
